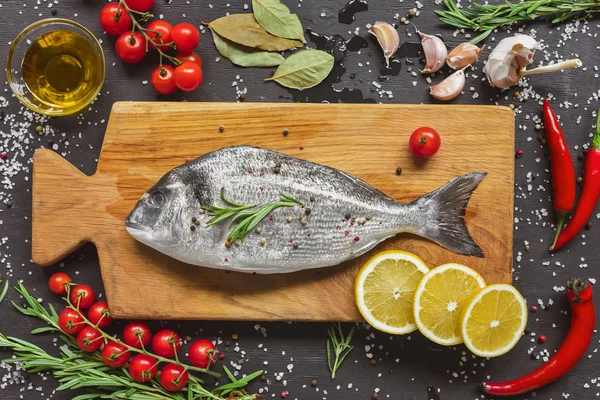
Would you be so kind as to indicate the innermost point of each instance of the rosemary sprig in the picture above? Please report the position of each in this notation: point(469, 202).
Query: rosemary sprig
point(4, 290)
point(487, 17)
point(244, 219)
point(75, 369)
point(341, 347)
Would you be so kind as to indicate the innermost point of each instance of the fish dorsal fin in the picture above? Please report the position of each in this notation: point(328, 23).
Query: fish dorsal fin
point(364, 185)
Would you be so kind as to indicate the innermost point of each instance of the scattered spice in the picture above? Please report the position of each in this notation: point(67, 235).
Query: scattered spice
point(285, 132)
point(240, 361)
point(313, 383)
point(194, 219)
point(242, 97)
point(356, 238)
point(347, 216)
point(283, 395)
point(295, 245)
point(221, 128)
point(588, 226)
point(373, 361)
point(39, 128)
point(518, 153)
point(542, 339)
point(235, 336)
point(222, 356)
point(259, 230)
point(369, 217)
point(277, 168)
point(54, 12)
point(374, 396)
point(580, 179)
point(533, 308)
point(398, 171)
point(289, 219)
point(193, 228)
point(307, 211)
point(303, 221)
point(263, 241)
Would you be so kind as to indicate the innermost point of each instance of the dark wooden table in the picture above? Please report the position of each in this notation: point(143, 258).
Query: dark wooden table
point(404, 366)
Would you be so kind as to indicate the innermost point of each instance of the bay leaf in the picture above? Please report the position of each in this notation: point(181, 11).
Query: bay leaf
point(245, 56)
point(303, 69)
point(276, 18)
point(243, 29)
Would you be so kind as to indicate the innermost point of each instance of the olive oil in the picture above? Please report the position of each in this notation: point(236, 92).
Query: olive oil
point(62, 69)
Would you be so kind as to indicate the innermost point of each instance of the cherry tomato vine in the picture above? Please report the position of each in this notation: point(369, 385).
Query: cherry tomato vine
point(125, 19)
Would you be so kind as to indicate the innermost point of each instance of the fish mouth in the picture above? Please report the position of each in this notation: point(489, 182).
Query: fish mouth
point(137, 231)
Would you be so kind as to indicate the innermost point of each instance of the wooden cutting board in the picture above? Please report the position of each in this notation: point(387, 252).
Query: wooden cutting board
point(145, 140)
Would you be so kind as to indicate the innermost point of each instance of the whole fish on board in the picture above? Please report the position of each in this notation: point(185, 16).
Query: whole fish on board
point(341, 216)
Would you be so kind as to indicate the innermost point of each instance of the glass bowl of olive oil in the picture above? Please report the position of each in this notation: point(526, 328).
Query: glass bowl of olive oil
point(56, 67)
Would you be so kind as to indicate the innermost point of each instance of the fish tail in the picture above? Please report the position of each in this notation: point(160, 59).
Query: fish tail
point(445, 208)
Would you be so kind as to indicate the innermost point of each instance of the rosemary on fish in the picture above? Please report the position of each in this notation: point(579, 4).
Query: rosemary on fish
point(339, 345)
point(245, 218)
point(487, 17)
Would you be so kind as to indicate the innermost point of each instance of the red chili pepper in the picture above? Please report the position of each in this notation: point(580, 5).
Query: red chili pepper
point(589, 194)
point(583, 318)
point(563, 173)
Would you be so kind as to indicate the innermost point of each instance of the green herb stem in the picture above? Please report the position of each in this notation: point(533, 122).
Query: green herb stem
point(487, 17)
point(244, 219)
point(339, 344)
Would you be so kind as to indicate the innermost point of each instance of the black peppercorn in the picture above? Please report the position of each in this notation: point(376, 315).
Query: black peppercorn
point(285, 132)
point(347, 216)
point(398, 171)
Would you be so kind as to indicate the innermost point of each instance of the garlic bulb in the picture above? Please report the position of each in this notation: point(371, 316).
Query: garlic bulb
point(450, 87)
point(463, 55)
point(508, 62)
point(388, 39)
point(435, 52)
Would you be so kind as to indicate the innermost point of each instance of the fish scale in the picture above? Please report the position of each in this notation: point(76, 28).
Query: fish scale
point(248, 176)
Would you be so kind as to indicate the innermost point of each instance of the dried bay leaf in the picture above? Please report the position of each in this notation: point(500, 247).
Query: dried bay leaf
point(245, 56)
point(276, 18)
point(243, 29)
point(303, 69)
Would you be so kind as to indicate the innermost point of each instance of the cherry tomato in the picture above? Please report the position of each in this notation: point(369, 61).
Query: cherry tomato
point(114, 19)
point(173, 377)
point(140, 5)
point(131, 47)
point(98, 314)
point(185, 36)
point(115, 355)
point(159, 33)
point(58, 282)
point(163, 79)
point(89, 339)
point(203, 353)
point(166, 343)
point(136, 334)
point(191, 57)
point(82, 296)
point(424, 142)
point(70, 321)
point(143, 368)
point(188, 76)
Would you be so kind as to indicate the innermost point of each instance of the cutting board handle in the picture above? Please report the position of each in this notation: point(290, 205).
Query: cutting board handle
point(59, 213)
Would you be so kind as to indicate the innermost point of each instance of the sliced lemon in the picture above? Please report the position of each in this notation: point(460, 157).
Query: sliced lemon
point(493, 320)
point(440, 298)
point(384, 289)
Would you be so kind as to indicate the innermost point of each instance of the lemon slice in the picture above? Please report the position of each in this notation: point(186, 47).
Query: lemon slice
point(384, 290)
point(440, 298)
point(493, 320)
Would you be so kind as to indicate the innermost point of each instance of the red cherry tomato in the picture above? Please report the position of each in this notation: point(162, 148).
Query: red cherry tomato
point(140, 5)
point(114, 19)
point(424, 142)
point(136, 334)
point(131, 47)
point(203, 353)
point(186, 37)
point(159, 33)
point(166, 343)
point(115, 355)
point(98, 314)
point(143, 368)
point(70, 321)
point(188, 76)
point(89, 339)
point(58, 282)
point(173, 377)
point(163, 79)
point(191, 57)
point(82, 296)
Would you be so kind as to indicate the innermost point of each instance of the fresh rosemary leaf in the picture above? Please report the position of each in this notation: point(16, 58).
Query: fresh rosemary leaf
point(4, 290)
point(340, 346)
point(43, 329)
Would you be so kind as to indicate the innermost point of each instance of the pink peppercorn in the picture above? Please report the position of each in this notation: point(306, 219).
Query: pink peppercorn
point(519, 153)
point(283, 395)
point(542, 339)
point(222, 356)
point(3, 156)
point(356, 238)
point(533, 308)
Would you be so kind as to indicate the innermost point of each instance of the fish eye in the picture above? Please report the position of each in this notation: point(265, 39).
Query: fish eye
point(157, 198)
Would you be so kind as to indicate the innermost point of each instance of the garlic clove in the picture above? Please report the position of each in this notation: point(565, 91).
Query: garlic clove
point(388, 39)
point(435, 53)
point(450, 87)
point(463, 55)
